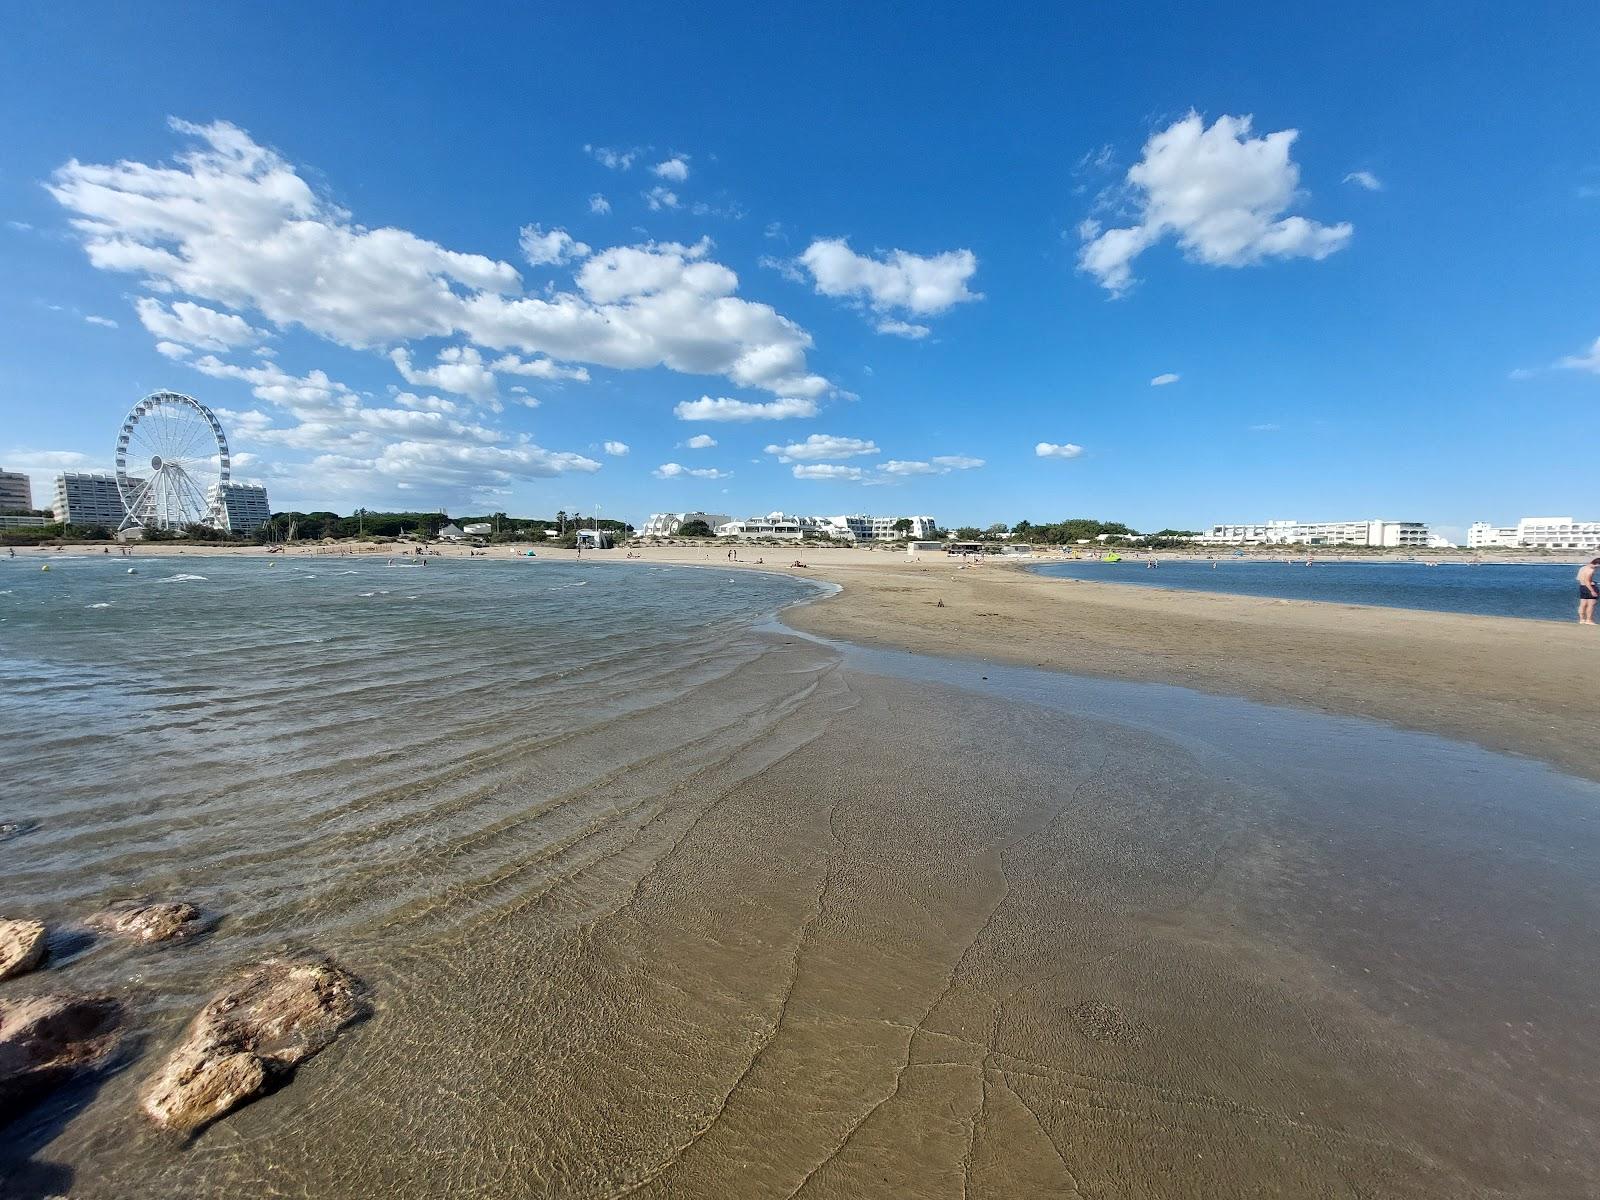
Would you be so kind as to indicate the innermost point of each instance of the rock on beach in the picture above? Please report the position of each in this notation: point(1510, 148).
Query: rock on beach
point(43, 1039)
point(249, 1036)
point(22, 947)
point(148, 920)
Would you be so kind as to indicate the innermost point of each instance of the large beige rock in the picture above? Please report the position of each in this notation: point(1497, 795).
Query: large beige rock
point(256, 1030)
point(148, 920)
point(43, 1039)
point(21, 947)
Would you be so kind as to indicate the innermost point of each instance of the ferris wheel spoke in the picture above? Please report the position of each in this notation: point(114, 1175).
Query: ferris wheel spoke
point(191, 430)
point(201, 507)
point(160, 428)
point(172, 429)
point(180, 499)
point(180, 433)
point(193, 439)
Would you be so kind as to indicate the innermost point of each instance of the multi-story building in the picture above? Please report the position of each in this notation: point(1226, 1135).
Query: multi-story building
point(1321, 533)
point(668, 524)
point(873, 529)
point(89, 498)
point(773, 525)
point(1537, 533)
point(240, 507)
point(847, 528)
point(15, 491)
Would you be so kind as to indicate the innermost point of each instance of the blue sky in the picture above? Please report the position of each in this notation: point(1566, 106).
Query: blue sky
point(916, 239)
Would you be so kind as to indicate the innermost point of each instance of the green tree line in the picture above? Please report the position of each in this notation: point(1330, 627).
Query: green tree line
point(313, 526)
point(1068, 532)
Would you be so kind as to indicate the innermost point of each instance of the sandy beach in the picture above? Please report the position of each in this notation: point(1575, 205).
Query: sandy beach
point(1513, 686)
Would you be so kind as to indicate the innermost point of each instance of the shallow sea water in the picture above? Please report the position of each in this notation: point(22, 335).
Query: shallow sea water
point(658, 898)
point(1536, 591)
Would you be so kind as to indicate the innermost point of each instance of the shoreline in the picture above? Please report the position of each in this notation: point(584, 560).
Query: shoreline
point(1499, 682)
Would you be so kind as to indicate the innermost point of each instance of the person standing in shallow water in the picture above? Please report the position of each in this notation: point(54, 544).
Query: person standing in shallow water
point(1588, 590)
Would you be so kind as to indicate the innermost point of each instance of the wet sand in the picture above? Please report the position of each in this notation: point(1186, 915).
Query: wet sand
point(1520, 687)
point(820, 927)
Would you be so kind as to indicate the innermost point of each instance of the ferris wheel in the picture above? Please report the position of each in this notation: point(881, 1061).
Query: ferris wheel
point(172, 457)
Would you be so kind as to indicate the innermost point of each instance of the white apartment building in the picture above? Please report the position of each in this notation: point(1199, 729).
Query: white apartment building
point(1536, 533)
point(89, 498)
point(668, 524)
point(1321, 533)
point(240, 507)
point(773, 525)
point(846, 528)
point(862, 528)
point(15, 491)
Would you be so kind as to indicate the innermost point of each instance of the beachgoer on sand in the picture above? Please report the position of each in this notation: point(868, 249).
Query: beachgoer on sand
point(1588, 590)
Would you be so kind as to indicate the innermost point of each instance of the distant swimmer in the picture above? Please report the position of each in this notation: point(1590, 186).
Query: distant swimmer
point(1588, 590)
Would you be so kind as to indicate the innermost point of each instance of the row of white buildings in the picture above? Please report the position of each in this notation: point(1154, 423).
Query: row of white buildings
point(1530, 533)
point(856, 527)
point(1324, 533)
point(92, 498)
point(1536, 533)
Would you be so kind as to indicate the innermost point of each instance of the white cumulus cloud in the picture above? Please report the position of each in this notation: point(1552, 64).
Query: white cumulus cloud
point(826, 471)
point(552, 247)
point(823, 445)
point(1055, 450)
point(360, 448)
point(941, 464)
point(1365, 179)
point(232, 223)
point(616, 160)
point(599, 205)
point(675, 168)
point(103, 322)
point(428, 403)
point(701, 441)
point(538, 368)
point(459, 369)
point(616, 449)
point(905, 329)
point(1220, 193)
point(897, 281)
point(195, 325)
point(674, 470)
point(1163, 380)
point(723, 409)
point(660, 197)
